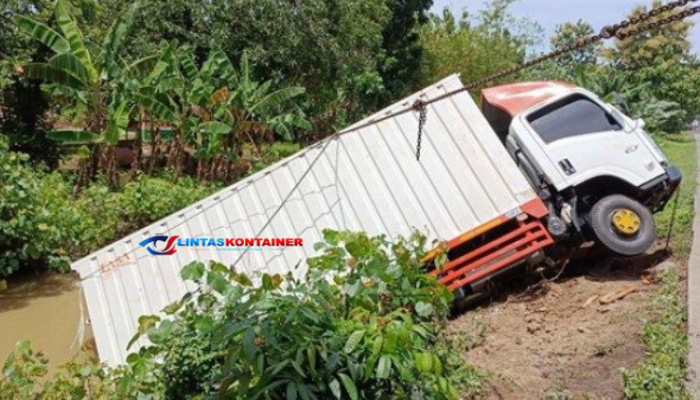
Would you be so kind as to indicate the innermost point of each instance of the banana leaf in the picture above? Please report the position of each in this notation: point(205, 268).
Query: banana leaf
point(73, 137)
point(74, 36)
point(43, 34)
point(51, 74)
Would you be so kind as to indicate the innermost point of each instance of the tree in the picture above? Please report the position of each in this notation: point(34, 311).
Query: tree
point(88, 79)
point(213, 110)
point(331, 48)
point(569, 33)
point(23, 105)
point(188, 22)
point(475, 47)
point(401, 42)
point(662, 58)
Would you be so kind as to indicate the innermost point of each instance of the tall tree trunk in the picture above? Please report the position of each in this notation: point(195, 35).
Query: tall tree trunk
point(83, 171)
point(94, 162)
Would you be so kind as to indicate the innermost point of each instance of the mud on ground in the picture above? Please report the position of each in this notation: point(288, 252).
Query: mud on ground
point(557, 341)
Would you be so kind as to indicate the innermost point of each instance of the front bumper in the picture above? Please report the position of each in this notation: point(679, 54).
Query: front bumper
point(660, 190)
point(674, 175)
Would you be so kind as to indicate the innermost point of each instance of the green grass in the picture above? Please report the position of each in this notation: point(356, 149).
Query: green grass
point(681, 151)
point(662, 373)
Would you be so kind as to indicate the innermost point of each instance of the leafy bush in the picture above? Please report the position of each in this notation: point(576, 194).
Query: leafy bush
point(43, 225)
point(22, 119)
point(26, 231)
point(364, 322)
point(661, 116)
point(146, 199)
point(25, 376)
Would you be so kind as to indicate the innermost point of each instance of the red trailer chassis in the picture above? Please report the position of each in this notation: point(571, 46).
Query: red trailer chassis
point(494, 246)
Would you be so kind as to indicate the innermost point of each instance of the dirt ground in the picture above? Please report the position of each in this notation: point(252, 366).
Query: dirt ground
point(557, 341)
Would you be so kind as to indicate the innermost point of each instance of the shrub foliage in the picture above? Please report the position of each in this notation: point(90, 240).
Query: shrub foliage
point(43, 225)
point(363, 321)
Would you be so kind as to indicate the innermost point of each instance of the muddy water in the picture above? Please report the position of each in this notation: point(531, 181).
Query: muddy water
point(46, 310)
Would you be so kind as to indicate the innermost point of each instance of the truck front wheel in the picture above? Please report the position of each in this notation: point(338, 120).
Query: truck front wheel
point(622, 225)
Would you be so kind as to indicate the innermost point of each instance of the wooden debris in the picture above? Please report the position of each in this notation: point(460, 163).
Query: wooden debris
point(590, 301)
point(617, 295)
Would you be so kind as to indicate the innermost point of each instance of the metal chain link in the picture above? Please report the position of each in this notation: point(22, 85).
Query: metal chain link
point(422, 110)
point(680, 16)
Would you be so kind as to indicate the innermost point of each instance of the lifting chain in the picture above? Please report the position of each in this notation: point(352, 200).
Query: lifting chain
point(422, 110)
point(680, 16)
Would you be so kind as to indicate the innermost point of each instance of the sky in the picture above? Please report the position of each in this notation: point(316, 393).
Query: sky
point(549, 13)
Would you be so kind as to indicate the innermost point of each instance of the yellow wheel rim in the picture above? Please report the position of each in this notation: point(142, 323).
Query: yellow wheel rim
point(626, 221)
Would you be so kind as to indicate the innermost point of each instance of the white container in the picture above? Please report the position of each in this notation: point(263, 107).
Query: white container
point(365, 180)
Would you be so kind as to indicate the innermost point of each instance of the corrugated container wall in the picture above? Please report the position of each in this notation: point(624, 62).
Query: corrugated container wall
point(365, 180)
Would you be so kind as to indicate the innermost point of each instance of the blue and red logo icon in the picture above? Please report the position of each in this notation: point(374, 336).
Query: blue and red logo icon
point(220, 244)
point(150, 245)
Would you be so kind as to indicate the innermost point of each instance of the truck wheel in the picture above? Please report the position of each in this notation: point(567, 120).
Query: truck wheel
point(622, 225)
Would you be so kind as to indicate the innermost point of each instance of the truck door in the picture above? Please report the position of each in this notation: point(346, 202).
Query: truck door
point(582, 140)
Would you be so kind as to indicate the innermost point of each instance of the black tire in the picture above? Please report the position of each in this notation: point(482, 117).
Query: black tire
point(600, 219)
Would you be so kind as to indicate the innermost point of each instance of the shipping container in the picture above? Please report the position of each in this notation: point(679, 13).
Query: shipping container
point(365, 180)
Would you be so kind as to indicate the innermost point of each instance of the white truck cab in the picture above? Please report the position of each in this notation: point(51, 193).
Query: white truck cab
point(597, 170)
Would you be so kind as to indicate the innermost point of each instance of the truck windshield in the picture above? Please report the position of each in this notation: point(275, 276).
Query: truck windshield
point(573, 116)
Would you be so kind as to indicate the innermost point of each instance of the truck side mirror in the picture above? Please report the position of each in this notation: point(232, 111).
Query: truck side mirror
point(639, 124)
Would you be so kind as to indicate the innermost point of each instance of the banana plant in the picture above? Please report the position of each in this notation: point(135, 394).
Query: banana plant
point(243, 109)
point(139, 86)
point(608, 86)
point(256, 108)
point(175, 94)
point(78, 74)
point(91, 79)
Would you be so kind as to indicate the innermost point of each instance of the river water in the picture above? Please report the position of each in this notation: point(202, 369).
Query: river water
point(44, 309)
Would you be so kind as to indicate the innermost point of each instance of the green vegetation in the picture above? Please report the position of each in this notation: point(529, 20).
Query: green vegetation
point(681, 151)
point(43, 225)
point(23, 103)
point(25, 376)
point(364, 322)
point(187, 110)
point(475, 47)
point(205, 94)
point(213, 109)
point(656, 74)
point(663, 372)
